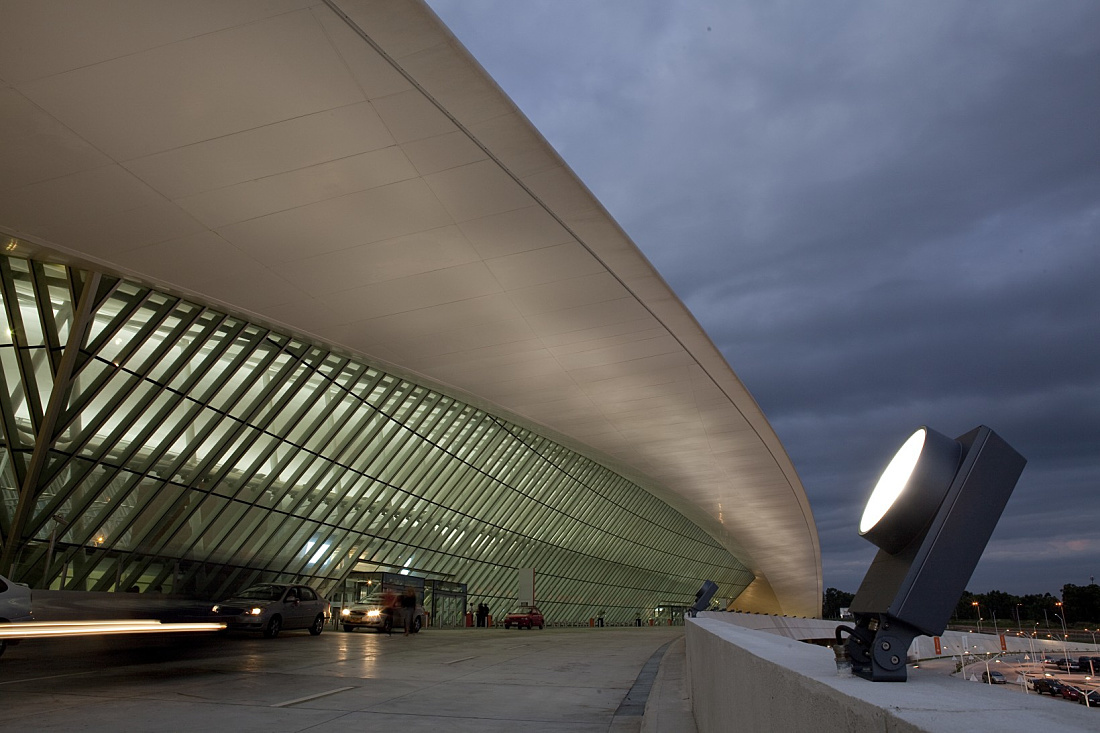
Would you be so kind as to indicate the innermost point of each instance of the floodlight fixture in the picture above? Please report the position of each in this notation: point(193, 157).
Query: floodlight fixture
point(702, 597)
point(931, 514)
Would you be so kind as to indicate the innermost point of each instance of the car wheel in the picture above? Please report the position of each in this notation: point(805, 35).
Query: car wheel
point(507, 626)
point(540, 627)
point(415, 625)
point(274, 626)
point(318, 625)
point(349, 628)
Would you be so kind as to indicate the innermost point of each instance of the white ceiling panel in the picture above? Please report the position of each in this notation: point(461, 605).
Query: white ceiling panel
point(255, 153)
point(373, 73)
point(389, 260)
point(520, 230)
point(411, 116)
point(80, 197)
point(443, 152)
point(546, 265)
point(477, 190)
point(85, 33)
point(340, 223)
point(255, 294)
point(297, 188)
point(515, 144)
point(201, 88)
point(195, 260)
point(470, 311)
point(35, 147)
point(585, 290)
point(439, 287)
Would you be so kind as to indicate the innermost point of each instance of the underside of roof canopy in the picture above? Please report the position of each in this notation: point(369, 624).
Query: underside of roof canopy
point(346, 171)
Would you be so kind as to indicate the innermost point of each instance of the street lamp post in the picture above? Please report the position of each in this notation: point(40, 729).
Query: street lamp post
point(1065, 635)
point(975, 604)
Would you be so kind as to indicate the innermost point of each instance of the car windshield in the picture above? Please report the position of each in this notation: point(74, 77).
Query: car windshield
point(524, 610)
point(263, 593)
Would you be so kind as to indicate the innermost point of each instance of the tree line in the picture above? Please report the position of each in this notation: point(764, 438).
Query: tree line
point(1079, 606)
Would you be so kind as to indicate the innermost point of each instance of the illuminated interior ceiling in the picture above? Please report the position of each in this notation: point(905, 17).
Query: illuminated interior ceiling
point(348, 172)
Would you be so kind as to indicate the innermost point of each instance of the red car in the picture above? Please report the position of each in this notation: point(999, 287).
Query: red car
point(524, 617)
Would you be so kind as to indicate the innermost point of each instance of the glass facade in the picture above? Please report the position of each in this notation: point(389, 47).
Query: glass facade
point(185, 450)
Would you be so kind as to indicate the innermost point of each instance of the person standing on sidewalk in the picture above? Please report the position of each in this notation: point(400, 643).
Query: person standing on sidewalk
point(408, 607)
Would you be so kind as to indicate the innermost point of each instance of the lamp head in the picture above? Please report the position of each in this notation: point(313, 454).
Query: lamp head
point(910, 490)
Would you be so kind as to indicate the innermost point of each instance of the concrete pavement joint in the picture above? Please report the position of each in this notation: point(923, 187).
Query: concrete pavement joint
point(315, 696)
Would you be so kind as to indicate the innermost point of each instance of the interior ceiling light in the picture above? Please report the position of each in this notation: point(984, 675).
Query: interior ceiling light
point(931, 514)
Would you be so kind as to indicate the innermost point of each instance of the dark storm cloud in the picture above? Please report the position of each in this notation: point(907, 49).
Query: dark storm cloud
point(885, 215)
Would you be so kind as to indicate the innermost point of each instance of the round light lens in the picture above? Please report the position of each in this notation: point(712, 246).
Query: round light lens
point(893, 480)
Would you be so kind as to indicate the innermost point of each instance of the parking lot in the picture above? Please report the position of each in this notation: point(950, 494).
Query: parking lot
point(481, 680)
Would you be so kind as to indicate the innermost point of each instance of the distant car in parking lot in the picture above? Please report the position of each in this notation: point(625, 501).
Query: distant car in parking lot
point(1048, 685)
point(15, 605)
point(274, 607)
point(1071, 693)
point(380, 612)
point(524, 617)
point(994, 678)
point(1093, 699)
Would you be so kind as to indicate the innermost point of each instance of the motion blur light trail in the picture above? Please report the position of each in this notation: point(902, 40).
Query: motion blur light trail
point(38, 630)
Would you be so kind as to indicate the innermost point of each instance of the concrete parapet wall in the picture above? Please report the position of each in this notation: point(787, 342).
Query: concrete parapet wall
point(741, 679)
point(952, 643)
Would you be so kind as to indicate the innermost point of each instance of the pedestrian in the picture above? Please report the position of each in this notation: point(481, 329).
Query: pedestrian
point(408, 607)
point(389, 606)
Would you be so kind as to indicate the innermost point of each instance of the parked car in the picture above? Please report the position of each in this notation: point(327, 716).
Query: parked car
point(274, 607)
point(380, 612)
point(524, 617)
point(1071, 693)
point(1088, 665)
point(15, 605)
point(1093, 699)
point(1048, 685)
point(994, 677)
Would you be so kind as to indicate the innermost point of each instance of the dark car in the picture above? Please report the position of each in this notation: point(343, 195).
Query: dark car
point(524, 617)
point(994, 678)
point(1093, 699)
point(1048, 685)
point(273, 607)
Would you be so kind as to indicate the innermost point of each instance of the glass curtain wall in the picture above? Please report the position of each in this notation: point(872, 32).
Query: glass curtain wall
point(198, 453)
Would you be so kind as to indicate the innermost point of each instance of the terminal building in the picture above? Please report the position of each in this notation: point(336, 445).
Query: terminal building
point(293, 291)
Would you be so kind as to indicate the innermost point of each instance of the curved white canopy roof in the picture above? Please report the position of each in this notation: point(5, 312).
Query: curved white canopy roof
point(346, 171)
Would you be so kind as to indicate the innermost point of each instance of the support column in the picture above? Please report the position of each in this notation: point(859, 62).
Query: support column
point(62, 385)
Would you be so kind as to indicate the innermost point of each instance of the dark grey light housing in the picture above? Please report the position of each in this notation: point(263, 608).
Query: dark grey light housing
point(931, 514)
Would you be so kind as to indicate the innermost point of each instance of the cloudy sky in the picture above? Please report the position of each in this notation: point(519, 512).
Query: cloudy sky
point(885, 214)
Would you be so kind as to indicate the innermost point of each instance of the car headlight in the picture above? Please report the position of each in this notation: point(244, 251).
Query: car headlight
point(345, 611)
point(256, 611)
point(214, 609)
point(374, 613)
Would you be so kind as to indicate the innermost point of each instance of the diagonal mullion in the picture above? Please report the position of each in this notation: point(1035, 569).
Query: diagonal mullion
point(45, 434)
